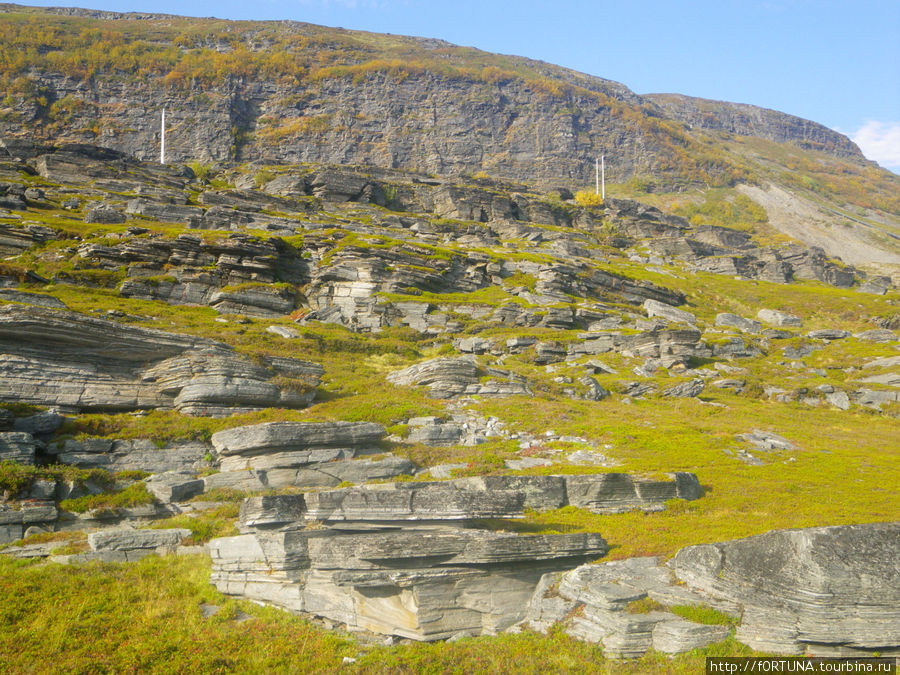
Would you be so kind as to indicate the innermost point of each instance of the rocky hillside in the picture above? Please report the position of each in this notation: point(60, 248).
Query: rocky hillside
point(480, 409)
point(435, 399)
point(750, 120)
point(295, 92)
point(288, 92)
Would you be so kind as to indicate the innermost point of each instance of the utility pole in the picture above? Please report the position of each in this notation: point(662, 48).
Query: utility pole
point(600, 176)
point(603, 175)
point(162, 137)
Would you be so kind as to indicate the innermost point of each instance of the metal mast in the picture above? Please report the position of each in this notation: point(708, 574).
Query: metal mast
point(603, 176)
point(162, 136)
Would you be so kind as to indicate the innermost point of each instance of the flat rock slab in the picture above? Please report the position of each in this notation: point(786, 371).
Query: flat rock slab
point(828, 334)
point(689, 389)
point(409, 501)
point(766, 440)
point(324, 475)
point(449, 548)
point(272, 437)
point(775, 318)
point(739, 322)
point(127, 540)
point(660, 309)
point(882, 335)
point(171, 486)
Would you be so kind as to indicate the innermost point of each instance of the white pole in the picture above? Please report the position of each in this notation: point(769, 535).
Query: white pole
point(162, 136)
point(597, 176)
point(603, 173)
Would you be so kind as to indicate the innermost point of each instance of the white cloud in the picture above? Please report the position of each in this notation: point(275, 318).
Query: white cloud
point(880, 141)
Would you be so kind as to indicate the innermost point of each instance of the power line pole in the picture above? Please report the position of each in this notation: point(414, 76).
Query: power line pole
point(603, 175)
point(596, 176)
point(162, 137)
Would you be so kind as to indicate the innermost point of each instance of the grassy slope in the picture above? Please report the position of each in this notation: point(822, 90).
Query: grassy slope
point(146, 616)
point(840, 473)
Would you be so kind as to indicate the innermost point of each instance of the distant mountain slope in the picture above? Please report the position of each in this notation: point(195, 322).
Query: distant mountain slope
point(288, 92)
point(750, 120)
point(297, 92)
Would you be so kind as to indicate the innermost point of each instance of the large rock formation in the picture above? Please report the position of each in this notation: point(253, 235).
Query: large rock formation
point(826, 590)
point(516, 117)
point(71, 361)
point(424, 582)
point(398, 559)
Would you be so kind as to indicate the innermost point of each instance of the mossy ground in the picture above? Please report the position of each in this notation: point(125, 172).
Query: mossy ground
point(843, 470)
point(146, 617)
point(840, 473)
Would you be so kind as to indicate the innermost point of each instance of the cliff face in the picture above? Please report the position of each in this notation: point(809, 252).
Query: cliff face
point(289, 92)
point(425, 122)
point(750, 120)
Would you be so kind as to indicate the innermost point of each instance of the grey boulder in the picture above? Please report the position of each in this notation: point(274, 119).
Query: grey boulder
point(816, 590)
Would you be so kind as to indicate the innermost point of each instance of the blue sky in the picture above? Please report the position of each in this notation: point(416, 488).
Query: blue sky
point(833, 61)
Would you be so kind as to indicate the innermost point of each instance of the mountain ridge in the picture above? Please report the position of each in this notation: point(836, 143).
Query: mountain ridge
point(288, 92)
point(520, 117)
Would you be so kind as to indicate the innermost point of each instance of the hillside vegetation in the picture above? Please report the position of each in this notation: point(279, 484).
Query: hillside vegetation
point(387, 245)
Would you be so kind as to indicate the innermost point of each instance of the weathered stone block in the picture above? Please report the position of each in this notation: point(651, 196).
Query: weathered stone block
point(127, 540)
point(171, 487)
point(17, 446)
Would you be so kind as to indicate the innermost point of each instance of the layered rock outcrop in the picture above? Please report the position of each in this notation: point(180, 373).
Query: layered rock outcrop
point(236, 275)
point(825, 591)
point(421, 583)
point(399, 559)
point(602, 603)
point(829, 591)
point(453, 377)
point(303, 454)
point(74, 362)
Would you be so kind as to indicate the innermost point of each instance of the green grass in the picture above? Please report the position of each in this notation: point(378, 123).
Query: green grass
point(133, 495)
point(643, 606)
point(204, 525)
point(703, 614)
point(15, 478)
point(492, 296)
point(64, 538)
point(145, 617)
point(841, 472)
